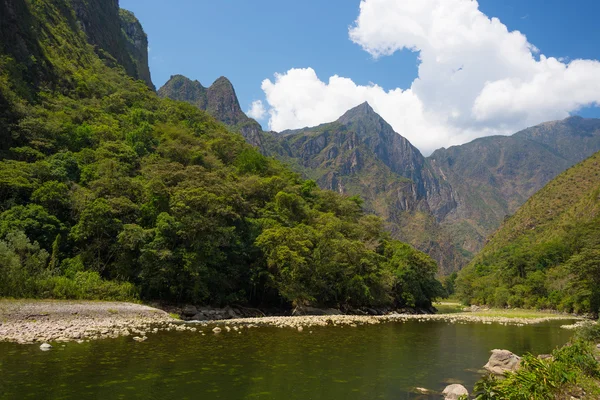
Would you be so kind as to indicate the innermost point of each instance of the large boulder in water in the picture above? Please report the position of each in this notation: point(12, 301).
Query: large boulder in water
point(454, 392)
point(502, 361)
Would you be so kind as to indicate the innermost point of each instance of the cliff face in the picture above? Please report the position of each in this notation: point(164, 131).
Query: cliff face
point(360, 154)
point(219, 100)
point(137, 45)
point(117, 36)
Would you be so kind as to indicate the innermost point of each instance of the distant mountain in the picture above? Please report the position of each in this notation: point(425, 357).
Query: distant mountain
point(361, 154)
point(219, 100)
point(446, 204)
point(492, 177)
point(548, 254)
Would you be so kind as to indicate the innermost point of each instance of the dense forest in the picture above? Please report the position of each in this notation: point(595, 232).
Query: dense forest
point(109, 192)
point(548, 254)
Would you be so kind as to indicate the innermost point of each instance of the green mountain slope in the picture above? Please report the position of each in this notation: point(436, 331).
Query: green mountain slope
point(492, 177)
point(108, 191)
point(548, 253)
point(446, 204)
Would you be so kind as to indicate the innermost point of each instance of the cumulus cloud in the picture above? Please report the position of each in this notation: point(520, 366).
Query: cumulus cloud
point(475, 77)
point(257, 110)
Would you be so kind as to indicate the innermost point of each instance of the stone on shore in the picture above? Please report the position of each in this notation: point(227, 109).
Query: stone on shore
point(45, 346)
point(502, 361)
point(189, 311)
point(305, 310)
point(216, 329)
point(454, 392)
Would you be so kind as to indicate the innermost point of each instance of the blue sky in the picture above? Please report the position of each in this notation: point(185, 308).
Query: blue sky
point(250, 41)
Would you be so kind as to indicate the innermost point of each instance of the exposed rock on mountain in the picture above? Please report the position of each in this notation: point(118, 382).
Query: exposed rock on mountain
point(492, 177)
point(137, 45)
point(117, 35)
point(219, 100)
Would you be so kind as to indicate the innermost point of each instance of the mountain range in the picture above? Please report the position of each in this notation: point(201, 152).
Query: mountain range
point(548, 254)
point(446, 204)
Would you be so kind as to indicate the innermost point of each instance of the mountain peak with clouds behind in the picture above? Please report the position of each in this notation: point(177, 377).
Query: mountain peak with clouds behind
point(441, 72)
point(476, 77)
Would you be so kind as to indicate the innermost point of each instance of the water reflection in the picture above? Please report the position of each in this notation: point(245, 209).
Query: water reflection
point(368, 362)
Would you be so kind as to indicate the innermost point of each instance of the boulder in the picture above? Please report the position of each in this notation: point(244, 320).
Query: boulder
point(454, 392)
point(502, 361)
point(199, 317)
point(189, 311)
point(216, 330)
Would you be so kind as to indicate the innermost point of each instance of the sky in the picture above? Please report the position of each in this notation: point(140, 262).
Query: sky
point(441, 72)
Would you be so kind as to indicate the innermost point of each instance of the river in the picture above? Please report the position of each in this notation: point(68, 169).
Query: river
point(385, 361)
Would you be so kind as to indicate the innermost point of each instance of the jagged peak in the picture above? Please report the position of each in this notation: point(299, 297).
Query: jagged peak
point(222, 81)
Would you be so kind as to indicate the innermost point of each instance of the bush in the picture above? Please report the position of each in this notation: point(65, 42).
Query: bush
point(571, 367)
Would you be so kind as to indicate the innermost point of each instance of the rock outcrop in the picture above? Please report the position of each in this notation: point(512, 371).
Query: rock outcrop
point(137, 45)
point(116, 34)
point(502, 361)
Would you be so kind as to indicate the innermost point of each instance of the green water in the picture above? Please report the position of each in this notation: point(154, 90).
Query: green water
point(368, 362)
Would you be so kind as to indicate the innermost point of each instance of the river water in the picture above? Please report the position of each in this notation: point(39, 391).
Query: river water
point(383, 361)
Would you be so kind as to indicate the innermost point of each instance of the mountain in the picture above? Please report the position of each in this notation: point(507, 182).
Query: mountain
point(446, 204)
point(360, 154)
point(116, 34)
point(492, 177)
point(219, 100)
point(548, 254)
point(108, 191)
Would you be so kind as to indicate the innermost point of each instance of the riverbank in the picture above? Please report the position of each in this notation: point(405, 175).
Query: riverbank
point(38, 321)
point(26, 321)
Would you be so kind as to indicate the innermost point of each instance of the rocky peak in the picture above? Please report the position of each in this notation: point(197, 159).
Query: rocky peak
point(219, 100)
point(223, 102)
point(181, 88)
point(361, 111)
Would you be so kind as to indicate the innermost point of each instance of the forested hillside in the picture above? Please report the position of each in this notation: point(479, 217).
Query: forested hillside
point(446, 204)
point(548, 254)
point(108, 191)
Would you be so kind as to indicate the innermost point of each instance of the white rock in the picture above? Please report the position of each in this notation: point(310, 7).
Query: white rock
point(216, 329)
point(45, 347)
point(454, 392)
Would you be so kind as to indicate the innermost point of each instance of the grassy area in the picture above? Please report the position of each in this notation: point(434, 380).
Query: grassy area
point(448, 307)
point(514, 313)
point(454, 307)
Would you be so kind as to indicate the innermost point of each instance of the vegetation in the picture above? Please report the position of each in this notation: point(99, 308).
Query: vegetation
point(548, 254)
point(108, 191)
point(571, 371)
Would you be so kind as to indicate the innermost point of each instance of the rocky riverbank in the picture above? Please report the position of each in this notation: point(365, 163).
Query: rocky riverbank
point(355, 320)
point(25, 322)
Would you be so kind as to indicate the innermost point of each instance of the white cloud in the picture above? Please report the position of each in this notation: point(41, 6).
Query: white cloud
point(257, 110)
point(475, 77)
